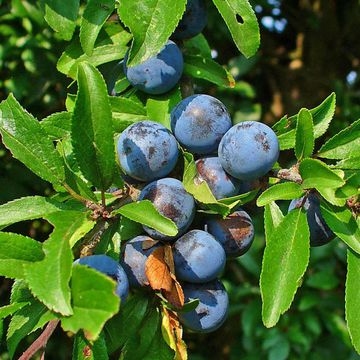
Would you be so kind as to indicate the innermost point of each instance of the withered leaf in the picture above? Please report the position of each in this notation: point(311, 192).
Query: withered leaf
point(169, 258)
point(176, 295)
point(157, 271)
point(172, 333)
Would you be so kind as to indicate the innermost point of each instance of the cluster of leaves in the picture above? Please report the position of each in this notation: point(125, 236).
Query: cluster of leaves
point(287, 250)
point(82, 167)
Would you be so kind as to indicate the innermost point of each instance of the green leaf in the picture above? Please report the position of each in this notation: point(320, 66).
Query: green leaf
point(25, 321)
point(125, 112)
point(318, 175)
point(324, 280)
point(200, 67)
point(57, 125)
point(138, 347)
point(23, 136)
point(241, 20)
point(11, 309)
point(352, 163)
point(329, 194)
point(285, 260)
point(351, 187)
point(123, 326)
point(92, 133)
point(79, 223)
point(49, 279)
point(241, 199)
point(304, 136)
point(200, 190)
point(94, 302)
point(352, 298)
point(322, 116)
point(84, 350)
point(282, 191)
point(280, 351)
point(151, 22)
point(135, 211)
point(343, 224)
point(272, 218)
point(158, 349)
point(159, 107)
point(113, 48)
point(345, 144)
point(94, 17)
point(61, 16)
point(29, 208)
point(70, 102)
point(77, 184)
point(203, 194)
point(197, 45)
point(17, 251)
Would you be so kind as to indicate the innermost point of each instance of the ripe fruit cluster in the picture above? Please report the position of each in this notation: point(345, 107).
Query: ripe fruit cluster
point(228, 157)
point(148, 151)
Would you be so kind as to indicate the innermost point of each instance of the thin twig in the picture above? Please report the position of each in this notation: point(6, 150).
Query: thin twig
point(103, 200)
point(74, 194)
point(41, 341)
point(92, 238)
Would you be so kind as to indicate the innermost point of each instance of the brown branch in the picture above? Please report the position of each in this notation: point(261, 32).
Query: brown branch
point(41, 341)
point(92, 238)
point(103, 200)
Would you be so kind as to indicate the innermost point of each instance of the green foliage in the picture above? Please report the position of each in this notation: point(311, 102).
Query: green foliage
point(342, 223)
point(16, 251)
point(61, 16)
point(352, 296)
point(134, 211)
point(304, 137)
point(202, 193)
point(318, 175)
point(93, 301)
point(73, 152)
point(91, 126)
point(282, 191)
point(241, 21)
point(151, 22)
point(322, 116)
point(23, 136)
point(344, 145)
point(284, 264)
point(204, 68)
point(111, 45)
point(85, 350)
point(94, 17)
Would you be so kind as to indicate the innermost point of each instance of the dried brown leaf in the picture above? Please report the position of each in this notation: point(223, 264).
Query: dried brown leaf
point(169, 258)
point(176, 295)
point(157, 271)
point(172, 333)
